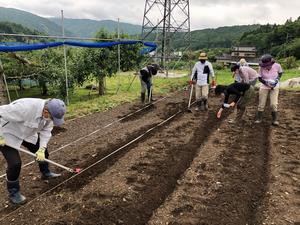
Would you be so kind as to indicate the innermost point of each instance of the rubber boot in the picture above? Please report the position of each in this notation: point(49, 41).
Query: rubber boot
point(199, 105)
point(14, 195)
point(258, 117)
point(143, 95)
point(46, 173)
point(205, 104)
point(150, 97)
point(275, 119)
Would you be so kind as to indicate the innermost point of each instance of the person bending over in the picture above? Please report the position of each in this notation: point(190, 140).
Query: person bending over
point(236, 89)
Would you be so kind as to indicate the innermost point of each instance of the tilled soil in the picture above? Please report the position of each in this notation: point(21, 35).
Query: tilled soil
point(193, 169)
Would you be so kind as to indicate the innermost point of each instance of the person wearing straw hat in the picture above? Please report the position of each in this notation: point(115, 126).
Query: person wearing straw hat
point(200, 76)
point(270, 73)
point(243, 62)
point(28, 122)
point(237, 77)
point(146, 81)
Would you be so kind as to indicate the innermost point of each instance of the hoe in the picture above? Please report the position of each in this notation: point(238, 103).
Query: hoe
point(190, 99)
point(75, 170)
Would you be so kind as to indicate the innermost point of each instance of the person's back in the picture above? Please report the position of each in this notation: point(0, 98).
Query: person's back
point(241, 87)
point(22, 119)
point(236, 89)
point(248, 75)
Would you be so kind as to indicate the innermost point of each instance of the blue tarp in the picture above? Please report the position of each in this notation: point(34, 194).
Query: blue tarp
point(15, 47)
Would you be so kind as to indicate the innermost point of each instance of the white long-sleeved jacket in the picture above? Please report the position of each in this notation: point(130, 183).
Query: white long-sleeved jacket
point(23, 120)
point(202, 75)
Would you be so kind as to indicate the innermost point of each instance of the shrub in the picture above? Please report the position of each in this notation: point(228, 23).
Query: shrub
point(218, 66)
point(288, 62)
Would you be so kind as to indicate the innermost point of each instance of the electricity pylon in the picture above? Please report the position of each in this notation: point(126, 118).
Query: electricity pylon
point(163, 21)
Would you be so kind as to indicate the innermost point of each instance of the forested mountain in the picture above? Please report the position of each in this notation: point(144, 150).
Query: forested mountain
point(31, 21)
point(222, 37)
point(88, 28)
point(13, 28)
point(279, 40)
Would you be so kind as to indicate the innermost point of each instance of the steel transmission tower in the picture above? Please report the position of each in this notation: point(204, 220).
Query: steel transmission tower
point(163, 21)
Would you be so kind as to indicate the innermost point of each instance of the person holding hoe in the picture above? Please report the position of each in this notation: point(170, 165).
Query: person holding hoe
point(146, 81)
point(27, 122)
point(200, 77)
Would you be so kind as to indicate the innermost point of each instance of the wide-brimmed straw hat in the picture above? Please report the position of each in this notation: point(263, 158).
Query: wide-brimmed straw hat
point(203, 55)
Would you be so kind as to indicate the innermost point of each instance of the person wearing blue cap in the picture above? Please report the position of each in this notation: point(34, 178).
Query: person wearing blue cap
point(28, 122)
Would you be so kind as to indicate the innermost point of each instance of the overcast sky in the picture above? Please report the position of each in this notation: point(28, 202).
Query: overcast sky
point(204, 14)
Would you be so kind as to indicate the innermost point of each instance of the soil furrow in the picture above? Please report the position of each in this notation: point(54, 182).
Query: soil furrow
point(195, 169)
point(86, 151)
point(227, 179)
point(173, 159)
point(281, 204)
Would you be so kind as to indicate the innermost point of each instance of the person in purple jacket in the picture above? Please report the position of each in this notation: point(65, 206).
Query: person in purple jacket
point(270, 73)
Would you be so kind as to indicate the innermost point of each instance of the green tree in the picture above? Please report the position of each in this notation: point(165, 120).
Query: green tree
point(103, 62)
point(3, 96)
point(95, 63)
point(280, 40)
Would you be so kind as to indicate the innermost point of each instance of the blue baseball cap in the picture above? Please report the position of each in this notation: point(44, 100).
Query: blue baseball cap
point(57, 110)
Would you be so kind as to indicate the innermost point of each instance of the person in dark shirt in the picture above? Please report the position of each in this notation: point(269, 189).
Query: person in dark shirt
point(236, 89)
point(146, 80)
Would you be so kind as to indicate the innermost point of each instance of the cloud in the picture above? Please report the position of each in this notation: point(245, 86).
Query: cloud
point(204, 14)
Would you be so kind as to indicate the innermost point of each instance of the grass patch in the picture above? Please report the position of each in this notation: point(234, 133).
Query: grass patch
point(84, 101)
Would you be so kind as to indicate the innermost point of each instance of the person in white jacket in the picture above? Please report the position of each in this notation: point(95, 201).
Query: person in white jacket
point(200, 76)
point(27, 122)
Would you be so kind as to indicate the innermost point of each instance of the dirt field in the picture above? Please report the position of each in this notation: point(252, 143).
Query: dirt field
point(192, 169)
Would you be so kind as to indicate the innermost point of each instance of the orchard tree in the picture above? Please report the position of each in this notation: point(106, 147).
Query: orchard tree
point(16, 66)
point(48, 67)
point(130, 57)
point(3, 96)
point(94, 63)
point(99, 63)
